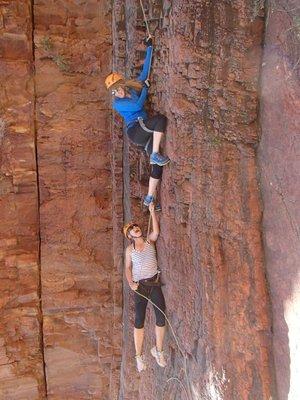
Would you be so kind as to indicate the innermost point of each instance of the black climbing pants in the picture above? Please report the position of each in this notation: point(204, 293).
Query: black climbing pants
point(143, 137)
point(155, 294)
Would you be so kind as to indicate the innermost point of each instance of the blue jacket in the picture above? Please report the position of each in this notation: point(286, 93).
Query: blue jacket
point(130, 108)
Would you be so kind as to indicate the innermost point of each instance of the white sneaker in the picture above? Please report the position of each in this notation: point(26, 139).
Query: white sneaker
point(140, 363)
point(159, 356)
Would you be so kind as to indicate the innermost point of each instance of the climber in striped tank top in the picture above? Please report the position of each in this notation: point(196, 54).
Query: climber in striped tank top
point(142, 274)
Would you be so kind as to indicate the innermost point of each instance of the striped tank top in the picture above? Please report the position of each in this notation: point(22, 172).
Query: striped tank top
point(144, 263)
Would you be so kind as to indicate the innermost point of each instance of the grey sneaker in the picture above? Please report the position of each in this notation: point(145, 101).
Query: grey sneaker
point(140, 363)
point(159, 159)
point(159, 357)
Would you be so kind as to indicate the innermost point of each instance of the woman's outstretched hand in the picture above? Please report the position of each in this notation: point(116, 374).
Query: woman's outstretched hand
point(151, 208)
point(134, 286)
point(148, 41)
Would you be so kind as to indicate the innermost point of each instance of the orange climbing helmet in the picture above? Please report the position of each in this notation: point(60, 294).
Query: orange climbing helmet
point(113, 78)
point(127, 227)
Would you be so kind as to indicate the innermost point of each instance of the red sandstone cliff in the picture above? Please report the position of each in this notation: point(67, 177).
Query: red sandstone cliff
point(205, 79)
point(56, 209)
point(21, 365)
point(68, 180)
point(279, 166)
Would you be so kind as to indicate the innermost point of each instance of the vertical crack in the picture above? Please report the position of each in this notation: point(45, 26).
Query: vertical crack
point(39, 288)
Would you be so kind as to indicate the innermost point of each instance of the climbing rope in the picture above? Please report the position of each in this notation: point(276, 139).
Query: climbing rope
point(145, 19)
point(174, 378)
point(186, 390)
point(167, 319)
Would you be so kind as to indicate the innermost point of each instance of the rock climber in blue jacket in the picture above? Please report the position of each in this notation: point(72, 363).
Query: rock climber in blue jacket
point(144, 131)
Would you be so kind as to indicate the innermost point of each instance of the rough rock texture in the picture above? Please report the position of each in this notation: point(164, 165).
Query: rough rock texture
point(21, 363)
point(82, 329)
point(62, 210)
point(280, 165)
point(63, 202)
point(205, 79)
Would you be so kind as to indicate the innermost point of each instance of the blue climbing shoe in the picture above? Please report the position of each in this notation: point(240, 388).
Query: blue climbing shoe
point(159, 159)
point(148, 200)
point(151, 199)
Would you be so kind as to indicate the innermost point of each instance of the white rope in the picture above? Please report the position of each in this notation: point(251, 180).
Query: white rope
point(174, 378)
point(168, 321)
point(145, 19)
point(188, 389)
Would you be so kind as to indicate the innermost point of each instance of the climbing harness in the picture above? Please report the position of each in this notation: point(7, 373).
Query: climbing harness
point(151, 282)
point(143, 126)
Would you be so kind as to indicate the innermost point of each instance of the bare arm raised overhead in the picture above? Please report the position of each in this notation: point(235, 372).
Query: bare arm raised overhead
point(155, 226)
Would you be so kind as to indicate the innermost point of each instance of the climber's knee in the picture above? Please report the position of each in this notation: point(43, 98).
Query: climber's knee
point(139, 322)
point(156, 171)
point(159, 314)
point(161, 124)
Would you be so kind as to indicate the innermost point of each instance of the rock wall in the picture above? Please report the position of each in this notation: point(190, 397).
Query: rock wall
point(57, 236)
point(205, 79)
point(21, 348)
point(68, 179)
point(279, 164)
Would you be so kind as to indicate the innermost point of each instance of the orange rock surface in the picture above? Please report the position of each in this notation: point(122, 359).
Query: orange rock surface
point(205, 79)
point(57, 228)
point(69, 179)
point(279, 169)
point(21, 350)
point(81, 316)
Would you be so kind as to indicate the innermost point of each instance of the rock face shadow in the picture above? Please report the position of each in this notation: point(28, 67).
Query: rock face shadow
point(279, 171)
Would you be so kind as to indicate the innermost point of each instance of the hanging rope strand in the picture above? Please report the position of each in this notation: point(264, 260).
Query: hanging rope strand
point(145, 19)
point(188, 388)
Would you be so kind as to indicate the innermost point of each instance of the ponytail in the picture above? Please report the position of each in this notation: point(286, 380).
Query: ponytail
point(128, 84)
point(133, 84)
